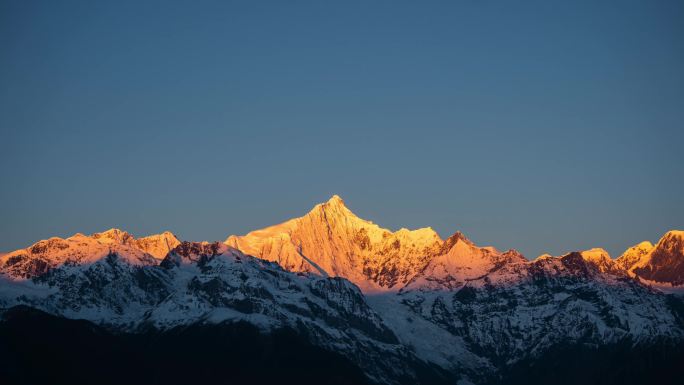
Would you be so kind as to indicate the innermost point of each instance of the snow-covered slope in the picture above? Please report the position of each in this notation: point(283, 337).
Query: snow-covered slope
point(523, 309)
point(213, 283)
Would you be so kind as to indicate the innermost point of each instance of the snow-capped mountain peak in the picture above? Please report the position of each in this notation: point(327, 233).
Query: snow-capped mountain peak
point(672, 241)
point(384, 299)
point(331, 240)
point(595, 254)
point(81, 249)
point(634, 256)
point(458, 262)
point(600, 259)
point(158, 245)
point(664, 262)
point(335, 201)
point(113, 236)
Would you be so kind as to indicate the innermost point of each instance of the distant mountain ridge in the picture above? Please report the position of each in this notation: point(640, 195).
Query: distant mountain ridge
point(406, 307)
point(332, 240)
point(80, 249)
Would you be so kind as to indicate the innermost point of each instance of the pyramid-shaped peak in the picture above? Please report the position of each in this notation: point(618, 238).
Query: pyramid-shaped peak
point(455, 238)
point(335, 200)
point(333, 206)
point(515, 255)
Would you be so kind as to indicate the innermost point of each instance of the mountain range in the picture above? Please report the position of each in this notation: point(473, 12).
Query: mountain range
point(382, 307)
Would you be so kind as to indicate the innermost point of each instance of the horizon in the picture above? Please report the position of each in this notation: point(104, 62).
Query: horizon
point(547, 127)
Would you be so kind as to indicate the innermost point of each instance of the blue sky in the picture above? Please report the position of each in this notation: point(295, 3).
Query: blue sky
point(547, 126)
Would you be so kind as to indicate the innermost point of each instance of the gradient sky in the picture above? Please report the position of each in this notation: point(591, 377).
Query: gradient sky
point(547, 126)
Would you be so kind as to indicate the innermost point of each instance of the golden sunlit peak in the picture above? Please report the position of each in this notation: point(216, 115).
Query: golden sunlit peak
point(644, 245)
point(113, 234)
point(335, 200)
point(544, 257)
point(165, 234)
point(595, 254)
point(674, 234)
point(334, 204)
point(459, 236)
point(112, 231)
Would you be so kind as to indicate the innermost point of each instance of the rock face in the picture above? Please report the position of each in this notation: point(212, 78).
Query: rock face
point(406, 307)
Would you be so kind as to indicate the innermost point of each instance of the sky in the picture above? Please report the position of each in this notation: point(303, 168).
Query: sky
point(545, 126)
